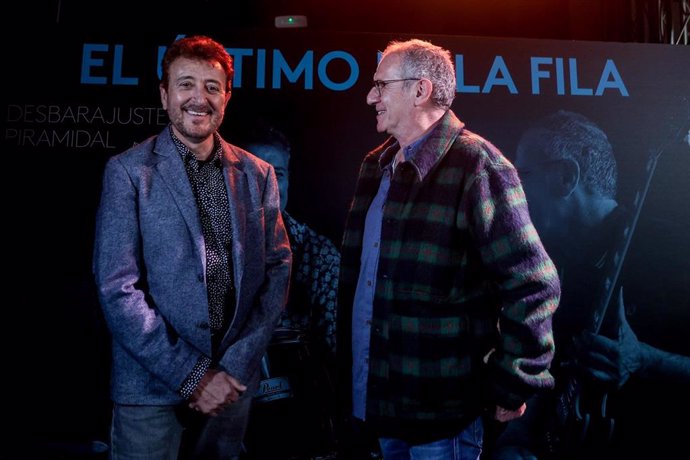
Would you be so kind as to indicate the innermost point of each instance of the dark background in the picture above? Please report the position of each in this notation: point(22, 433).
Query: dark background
point(55, 345)
point(604, 20)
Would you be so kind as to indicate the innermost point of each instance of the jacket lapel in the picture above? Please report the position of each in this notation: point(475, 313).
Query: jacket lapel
point(172, 171)
point(236, 185)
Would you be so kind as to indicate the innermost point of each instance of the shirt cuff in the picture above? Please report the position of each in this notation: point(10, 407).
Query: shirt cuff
point(194, 377)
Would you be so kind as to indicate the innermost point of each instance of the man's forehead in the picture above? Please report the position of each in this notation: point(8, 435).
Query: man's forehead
point(532, 143)
point(389, 64)
point(270, 153)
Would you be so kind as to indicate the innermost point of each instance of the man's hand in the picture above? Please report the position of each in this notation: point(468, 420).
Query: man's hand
point(216, 390)
point(505, 415)
point(610, 361)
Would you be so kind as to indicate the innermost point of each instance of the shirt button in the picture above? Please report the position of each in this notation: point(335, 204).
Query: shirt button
point(368, 282)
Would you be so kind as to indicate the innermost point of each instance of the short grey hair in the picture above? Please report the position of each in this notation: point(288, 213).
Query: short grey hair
point(422, 59)
point(571, 135)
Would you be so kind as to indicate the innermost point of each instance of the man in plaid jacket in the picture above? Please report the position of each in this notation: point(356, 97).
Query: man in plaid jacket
point(446, 293)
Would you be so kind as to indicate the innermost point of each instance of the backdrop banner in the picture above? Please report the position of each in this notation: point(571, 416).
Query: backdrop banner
point(82, 97)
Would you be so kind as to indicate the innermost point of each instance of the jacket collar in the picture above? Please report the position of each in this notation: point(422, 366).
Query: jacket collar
point(433, 147)
point(165, 146)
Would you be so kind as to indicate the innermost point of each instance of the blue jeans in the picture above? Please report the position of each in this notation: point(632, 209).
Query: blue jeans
point(166, 432)
point(465, 445)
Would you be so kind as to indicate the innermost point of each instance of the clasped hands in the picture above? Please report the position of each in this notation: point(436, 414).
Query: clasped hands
point(215, 391)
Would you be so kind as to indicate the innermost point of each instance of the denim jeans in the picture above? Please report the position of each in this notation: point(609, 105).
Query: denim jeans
point(466, 445)
point(172, 432)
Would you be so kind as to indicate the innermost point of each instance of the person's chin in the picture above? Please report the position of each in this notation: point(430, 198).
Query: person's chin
point(200, 130)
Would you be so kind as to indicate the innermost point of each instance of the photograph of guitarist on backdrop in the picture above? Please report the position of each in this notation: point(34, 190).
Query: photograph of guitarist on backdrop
point(617, 392)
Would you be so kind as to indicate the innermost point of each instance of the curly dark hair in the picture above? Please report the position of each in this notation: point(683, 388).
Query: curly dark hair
point(198, 47)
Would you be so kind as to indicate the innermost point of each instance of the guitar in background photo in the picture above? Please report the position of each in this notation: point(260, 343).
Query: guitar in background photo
point(584, 420)
point(570, 175)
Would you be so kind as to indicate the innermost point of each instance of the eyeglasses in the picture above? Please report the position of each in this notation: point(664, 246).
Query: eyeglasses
point(380, 84)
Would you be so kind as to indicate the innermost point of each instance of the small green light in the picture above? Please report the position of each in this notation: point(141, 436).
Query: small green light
point(291, 20)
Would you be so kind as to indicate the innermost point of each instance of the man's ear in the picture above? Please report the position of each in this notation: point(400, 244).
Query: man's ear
point(564, 177)
point(424, 90)
point(164, 96)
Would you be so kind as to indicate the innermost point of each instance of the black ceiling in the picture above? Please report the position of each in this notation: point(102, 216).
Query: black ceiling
point(606, 20)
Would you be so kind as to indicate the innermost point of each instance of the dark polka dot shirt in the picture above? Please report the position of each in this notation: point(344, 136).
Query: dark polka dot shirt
point(208, 185)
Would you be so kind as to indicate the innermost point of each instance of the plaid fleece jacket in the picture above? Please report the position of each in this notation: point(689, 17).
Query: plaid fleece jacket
point(459, 260)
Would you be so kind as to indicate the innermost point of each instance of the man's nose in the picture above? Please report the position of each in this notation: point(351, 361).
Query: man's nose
point(373, 96)
point(199, 93)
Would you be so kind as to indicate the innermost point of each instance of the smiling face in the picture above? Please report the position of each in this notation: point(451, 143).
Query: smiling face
point(195, 100)
point(395, 103)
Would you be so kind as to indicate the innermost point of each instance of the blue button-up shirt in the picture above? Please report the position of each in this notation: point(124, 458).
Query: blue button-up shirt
point(366, 285)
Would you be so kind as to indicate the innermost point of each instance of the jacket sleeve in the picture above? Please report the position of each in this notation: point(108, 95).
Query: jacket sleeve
point(134, 321)
point(527, 282)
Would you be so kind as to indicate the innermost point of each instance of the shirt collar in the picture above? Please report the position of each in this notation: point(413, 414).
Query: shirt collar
point(420, 153)
point(187, 155)
point(387, 158)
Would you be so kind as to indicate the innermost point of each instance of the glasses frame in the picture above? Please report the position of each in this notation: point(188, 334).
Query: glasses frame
point(380, 84)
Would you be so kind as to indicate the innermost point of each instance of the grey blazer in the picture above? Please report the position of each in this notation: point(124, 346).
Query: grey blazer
point(149, 267)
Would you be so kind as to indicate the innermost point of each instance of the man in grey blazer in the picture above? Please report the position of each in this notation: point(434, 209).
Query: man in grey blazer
point(192, 264)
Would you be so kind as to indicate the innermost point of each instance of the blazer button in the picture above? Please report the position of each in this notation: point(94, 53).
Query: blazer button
point(202, 326)
point(201, 277)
